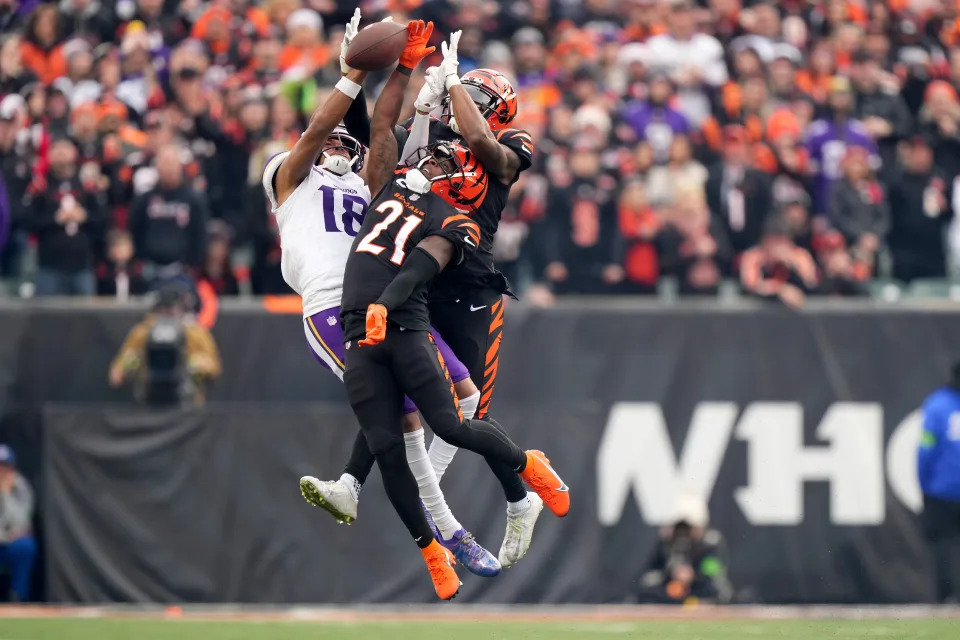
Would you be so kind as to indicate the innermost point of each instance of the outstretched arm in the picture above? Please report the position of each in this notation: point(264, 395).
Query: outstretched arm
point(297, 165)
point(496, 158)
point(386, 113)
point(427, 259)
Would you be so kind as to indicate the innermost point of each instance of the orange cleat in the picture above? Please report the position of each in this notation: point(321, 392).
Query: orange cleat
point(544, 480)
point(440, 565)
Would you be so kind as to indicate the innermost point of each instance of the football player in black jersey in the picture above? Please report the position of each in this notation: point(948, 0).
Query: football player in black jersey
point(466, 305)
point(411, 232)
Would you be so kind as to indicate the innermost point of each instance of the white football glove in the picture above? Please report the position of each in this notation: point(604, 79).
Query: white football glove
point(448, 67)
point(349, 33)
point(432, 91)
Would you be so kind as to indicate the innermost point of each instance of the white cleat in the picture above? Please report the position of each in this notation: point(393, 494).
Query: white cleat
point(331, 496)
point(519, 535)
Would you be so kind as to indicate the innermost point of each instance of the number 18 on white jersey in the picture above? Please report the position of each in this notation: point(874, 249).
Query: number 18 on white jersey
point(318, 224)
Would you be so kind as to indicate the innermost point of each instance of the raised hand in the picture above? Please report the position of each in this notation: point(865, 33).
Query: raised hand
point(349, 34)
point(448, 67)
point(418, 35)
point(432, 91)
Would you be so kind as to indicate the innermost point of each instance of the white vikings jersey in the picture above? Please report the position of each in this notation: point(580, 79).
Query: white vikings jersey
point(318, 224)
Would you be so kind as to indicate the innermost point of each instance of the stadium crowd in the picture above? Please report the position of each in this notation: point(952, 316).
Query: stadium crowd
point(800, 146)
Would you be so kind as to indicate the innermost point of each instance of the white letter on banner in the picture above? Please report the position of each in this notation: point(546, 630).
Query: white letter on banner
point(636, 453)
point(902, 461)
point(778, 463)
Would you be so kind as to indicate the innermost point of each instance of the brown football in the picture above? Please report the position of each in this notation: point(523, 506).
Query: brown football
point(377, 46)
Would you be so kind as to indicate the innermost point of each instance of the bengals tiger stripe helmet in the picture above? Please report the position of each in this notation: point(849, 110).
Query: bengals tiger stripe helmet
point(465, 182)
point(492, 93)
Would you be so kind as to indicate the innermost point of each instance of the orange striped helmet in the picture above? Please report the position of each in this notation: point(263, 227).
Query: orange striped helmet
point(492, 93)
point(465, 183)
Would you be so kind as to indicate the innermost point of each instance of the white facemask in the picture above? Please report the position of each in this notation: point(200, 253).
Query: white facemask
point(416, 181)
point(336, 163)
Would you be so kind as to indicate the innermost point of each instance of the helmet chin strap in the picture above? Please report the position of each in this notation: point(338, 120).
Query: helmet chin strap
point(337, 164)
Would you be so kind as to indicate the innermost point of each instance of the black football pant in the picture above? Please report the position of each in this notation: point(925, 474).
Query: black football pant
point(473, 327)
point(377, 378)
point(941, 524)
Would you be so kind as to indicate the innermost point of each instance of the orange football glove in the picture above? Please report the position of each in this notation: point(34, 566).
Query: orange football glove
point(418, 35)
point(376, 325)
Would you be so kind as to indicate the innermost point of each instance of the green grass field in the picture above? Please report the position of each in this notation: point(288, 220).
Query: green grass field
point(114, 629)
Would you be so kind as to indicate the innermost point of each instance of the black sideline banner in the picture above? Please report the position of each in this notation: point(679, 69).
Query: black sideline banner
point(800, 429)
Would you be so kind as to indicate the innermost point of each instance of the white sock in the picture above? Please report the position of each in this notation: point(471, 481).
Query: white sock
point(428, 484)
point(516, 508)
point(469, 405)
point(441, 453)
point(352, 484)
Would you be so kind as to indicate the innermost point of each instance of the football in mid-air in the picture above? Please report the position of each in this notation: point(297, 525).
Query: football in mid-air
point(377, 46)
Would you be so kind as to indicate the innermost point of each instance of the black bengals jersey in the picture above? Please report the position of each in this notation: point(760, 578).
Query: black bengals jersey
point(396, 222)
point(478, 272)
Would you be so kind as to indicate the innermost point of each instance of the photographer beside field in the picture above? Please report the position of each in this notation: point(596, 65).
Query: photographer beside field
point(688, 565)
point(169, 356)
point(938, 466)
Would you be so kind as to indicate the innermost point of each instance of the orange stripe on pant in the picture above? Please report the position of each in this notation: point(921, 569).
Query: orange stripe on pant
point(492, 358)
point(446, 373)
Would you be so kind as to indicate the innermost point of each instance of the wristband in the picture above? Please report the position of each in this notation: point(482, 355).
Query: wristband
point(404, 70)
point(451, 81)
point(348, 87)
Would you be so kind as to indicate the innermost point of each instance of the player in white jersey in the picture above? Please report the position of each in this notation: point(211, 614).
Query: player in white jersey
point(320, 201)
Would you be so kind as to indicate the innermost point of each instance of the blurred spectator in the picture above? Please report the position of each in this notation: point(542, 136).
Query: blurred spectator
point(120, 276)
point(695, 61)
point(681, 168)
point(18, 549)
point(785, 92)
point(777, 269)
point(639, 226)
point(788, 160)
point(795, 213)
point(67, 218)
point(940, 121)
point(583, 250)
point(692, 245)
point(841, 275)
point(305, 49)
point(16, 173)
point(40, 50)
point(828, 140)
point(14, 76)
point(739, 196)
point(88, 18)
point(653, 120)
point(168, 355)
point(879, 106)
point(920, 212)
point(168, 222)
point(938, 468)
point(858, 207)
point(217, 271)
point(689, 563)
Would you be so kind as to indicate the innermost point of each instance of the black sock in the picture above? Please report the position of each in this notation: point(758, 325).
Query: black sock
point(512, 485)
point(361, 459)
point(482, 437)
point(401, 488)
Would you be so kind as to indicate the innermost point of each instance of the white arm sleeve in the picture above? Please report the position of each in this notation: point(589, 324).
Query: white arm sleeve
point(419, 135)
point(269, 171)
